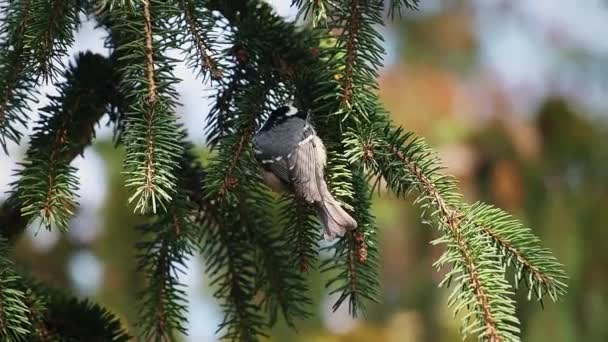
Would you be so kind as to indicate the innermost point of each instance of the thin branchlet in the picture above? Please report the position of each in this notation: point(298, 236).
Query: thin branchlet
point(352, 31)
point(148, 84)
point(200, 39)
point(151, 99)
point(17, 85)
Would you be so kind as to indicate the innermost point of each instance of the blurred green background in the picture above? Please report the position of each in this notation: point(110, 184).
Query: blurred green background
point(514, 96)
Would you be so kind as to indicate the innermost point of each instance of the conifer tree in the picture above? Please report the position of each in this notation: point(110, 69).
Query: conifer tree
point(258, 249)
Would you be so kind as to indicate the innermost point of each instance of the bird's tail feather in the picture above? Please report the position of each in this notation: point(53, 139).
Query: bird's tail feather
point(336, 221)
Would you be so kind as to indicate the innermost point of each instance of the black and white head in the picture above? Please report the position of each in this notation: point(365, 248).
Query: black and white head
point(282, 114)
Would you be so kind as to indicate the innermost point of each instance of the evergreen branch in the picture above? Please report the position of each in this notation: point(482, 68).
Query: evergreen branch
point(47, 183)
point(17, 84)
point(318, 9)
point(36, 307)
point(88, 84)
point(147, 83)
point(352, 27)
point(407, 163)
point(199, 24)
point(534, 265)
point(354, 56)
point(282, 286)
point(250, 90)
point(225, 167)
point(50, 33)
point(481, 287)
point(324, 105)
point(230, 266)
point(300, 232)
point(396, 6)
point(14, 314)
point(62, 318)
point(163, 257)
point(113, 4)
point(221, 118)
point(355, 257)
point(490, 295)
point(247, 202)
point(229, 248)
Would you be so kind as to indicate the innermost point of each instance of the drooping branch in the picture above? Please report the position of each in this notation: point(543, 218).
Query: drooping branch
point(50, 33)
point(148, 84)
point(451, 218)
point(17, 85)
point(199, 25)
point(85, 107)
point(14, 322)
point(352, 28)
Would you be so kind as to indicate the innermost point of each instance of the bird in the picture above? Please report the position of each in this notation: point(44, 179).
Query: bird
point(293, 159)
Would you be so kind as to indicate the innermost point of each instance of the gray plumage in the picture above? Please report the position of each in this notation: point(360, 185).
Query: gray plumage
point(293, 158)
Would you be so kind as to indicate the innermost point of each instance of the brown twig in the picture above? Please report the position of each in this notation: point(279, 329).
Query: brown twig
point(152, 96)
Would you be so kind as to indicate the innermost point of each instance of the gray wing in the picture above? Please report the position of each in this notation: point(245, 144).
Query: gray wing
point(306, 165)
point(280, 169)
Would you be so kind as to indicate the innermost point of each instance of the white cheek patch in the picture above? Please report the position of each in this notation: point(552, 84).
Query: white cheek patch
point(292, 111)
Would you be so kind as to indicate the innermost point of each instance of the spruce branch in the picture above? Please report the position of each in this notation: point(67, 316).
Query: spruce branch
point(318, 9)
point(197, 23)
point(240, 194)
point(59, 317)
point(50, 33)
point(162, 258)
point(36, 306)
point(14, 314)
point(521, 249)
point(229, 248)
point(231, 267)
point(300, 232)
point(169, 241)
point(282, 285)
point(147, 82)
point(476, 268)
point(407, 163)
point(91, 79)
point(221, 116)
point(112, 4)
point(396, 6)
point(255, 84)
point(17, 81)
point(355, 55)
point(354, 258)
point(47, 182)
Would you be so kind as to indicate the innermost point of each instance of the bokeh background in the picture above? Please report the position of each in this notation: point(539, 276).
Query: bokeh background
point(514, 96)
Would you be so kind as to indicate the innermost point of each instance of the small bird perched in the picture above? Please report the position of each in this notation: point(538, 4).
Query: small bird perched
point(293, 159)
